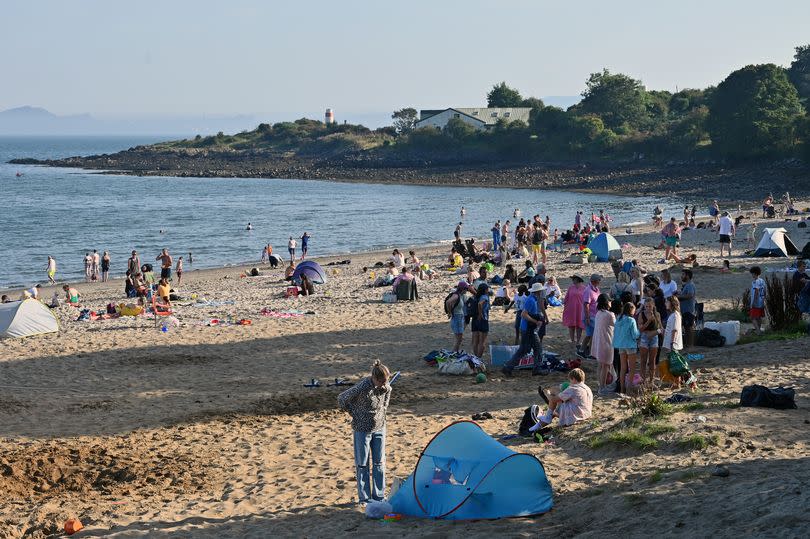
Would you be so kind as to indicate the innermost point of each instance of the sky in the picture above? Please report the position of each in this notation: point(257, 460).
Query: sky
point(176, 57)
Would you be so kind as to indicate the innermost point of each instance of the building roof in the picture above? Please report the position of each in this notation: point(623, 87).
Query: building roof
point(489, 116)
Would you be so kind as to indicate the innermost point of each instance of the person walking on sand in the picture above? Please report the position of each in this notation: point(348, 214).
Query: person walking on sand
point(178, 269)
point(105, 267)
point(165, 264)
point(757, 308)
point(51, 269)
point(725, 230)
point(291, 245)
point(532, 330)
point(367, 402)
point(305, 245)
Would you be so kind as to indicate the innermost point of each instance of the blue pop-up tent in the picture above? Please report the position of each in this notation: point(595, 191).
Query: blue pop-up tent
point(464, 474)
point(605, 247)
point(312, 270)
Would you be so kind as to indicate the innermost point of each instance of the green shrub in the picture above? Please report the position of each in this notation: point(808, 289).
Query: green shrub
point(780, 303)
point(651, 405)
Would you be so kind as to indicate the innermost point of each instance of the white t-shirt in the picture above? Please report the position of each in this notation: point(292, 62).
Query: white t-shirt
point(726, 225)
point(291, 244)
point(668, 288)
point(673, 323)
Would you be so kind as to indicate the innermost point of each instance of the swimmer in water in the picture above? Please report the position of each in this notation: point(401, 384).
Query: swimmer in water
point(249, 227)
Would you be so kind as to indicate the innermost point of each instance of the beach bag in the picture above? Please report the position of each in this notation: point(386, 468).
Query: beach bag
point(710, 338)
point(781, 398)
point(529, 420)
point(457, 367)
point(389, 297)
point(677, 363)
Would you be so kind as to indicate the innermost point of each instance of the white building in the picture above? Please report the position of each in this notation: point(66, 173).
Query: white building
point(480, 118)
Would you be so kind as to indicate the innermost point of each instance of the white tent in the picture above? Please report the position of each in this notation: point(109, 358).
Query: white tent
point(775, 242)
point(26, 318)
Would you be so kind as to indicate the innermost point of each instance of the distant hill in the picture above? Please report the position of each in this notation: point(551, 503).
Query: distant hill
point(38, 121)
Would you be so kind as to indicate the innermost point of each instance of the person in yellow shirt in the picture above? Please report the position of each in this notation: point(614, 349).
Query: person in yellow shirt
point(163, 291)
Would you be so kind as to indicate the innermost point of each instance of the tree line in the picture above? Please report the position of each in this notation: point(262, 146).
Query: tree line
point(756, 112)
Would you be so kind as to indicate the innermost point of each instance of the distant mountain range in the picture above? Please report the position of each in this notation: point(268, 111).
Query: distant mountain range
point(29, 120)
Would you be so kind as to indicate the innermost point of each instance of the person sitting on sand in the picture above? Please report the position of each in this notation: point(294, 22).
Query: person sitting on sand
point(405, 275)
point(572, 404)
point(504, 294)
point(71, 294)
point(164, 292)
point(367, 402)
point(552, 289)
point(528, 273)
point(288, 272)
point(141, 288)
point(397, 258)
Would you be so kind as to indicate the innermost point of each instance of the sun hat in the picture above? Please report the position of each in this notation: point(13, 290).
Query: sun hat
point(576, 277)
point(536, 287)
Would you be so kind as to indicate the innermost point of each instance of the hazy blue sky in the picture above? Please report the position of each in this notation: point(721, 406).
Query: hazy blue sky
point(190, 57)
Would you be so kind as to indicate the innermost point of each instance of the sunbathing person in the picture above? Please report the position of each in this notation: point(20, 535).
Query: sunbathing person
point(71, 295)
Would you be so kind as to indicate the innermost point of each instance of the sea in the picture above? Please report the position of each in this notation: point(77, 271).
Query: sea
point(67, 213)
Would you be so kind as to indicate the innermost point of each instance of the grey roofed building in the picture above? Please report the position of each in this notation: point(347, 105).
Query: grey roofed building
point(478, 117)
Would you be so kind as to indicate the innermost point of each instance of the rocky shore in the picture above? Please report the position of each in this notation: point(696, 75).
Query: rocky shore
point(675, 178)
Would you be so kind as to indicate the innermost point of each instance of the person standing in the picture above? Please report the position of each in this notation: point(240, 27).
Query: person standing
point(134, 264)
point(305, 245)
point(463, 213)
point(650, 327)
point(264, 254)
point(687, 300)
point(757, 307)
point(291, 245)
point(51, 269)
point(505, 229)
point(190, 259)
point(165, 264)
point(625, 341)
point(457, 231)
point(105, 267)
point(532, 331)
point(454, 307)
point(480, 320)
point(604, 323)
point(671, 233)
point(367, 402)
point(179, 270)
point(589, 308)
point(725, 229)
point(573, 317)
point(95, 266)
point(667, 285)
point(88, 267)
point(673, 334)
point(496, 235)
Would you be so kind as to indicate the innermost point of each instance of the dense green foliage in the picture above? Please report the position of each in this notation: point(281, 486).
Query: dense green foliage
point(755, 113)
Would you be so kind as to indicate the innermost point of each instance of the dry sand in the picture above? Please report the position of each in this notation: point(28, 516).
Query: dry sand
point(208, 431)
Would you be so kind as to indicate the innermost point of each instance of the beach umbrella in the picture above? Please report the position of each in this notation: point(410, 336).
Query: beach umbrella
point(312, 270)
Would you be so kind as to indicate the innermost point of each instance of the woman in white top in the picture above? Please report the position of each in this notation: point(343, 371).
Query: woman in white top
point(552, 288)
point(636, 283)
point(673, 337)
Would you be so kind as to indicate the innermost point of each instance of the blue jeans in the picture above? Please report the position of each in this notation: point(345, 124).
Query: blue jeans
point(529, 340)
point(375, 442)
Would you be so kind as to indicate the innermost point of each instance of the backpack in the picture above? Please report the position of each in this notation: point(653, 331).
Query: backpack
point(529, 420)
point(471, 306)
point(781, 398)
point(448, 309)
point(710, 338)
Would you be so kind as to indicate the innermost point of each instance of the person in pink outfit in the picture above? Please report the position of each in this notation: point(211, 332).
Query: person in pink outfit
point(602, 343)
point(572, 317)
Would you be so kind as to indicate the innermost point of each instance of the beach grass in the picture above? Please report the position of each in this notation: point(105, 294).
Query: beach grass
point(793, 332)
point(651, 405)
point(697, 441)
point(625, 437)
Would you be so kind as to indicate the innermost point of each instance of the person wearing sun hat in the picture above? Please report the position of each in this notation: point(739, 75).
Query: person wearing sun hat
point(532, 331)
point(589, 313)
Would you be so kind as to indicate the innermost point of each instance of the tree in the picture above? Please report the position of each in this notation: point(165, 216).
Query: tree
point(799, 74)
point(502, 95)
point(405, 120)
point(753, 112)
point(534, 103)
point(458, 129)
point(620, 101)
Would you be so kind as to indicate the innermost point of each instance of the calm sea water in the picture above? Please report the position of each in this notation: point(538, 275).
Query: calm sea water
point(66, 213)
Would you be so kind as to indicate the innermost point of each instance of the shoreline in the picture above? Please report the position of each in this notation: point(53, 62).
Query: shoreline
point(673, 178)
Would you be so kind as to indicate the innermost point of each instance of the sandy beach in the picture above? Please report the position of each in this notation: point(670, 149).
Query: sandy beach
point(207, 431)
